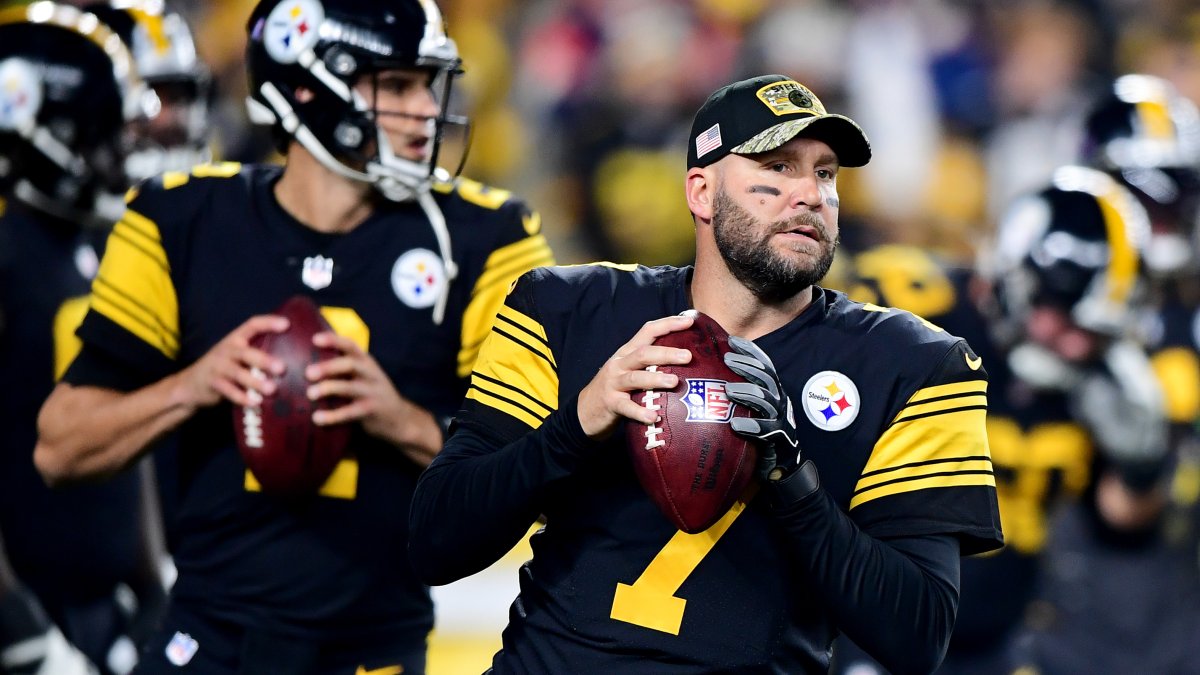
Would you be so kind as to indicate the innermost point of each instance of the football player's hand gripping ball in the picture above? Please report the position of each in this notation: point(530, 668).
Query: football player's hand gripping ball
point(775, 425)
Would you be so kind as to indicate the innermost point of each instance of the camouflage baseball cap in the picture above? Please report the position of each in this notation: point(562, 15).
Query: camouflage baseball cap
point(764, 112)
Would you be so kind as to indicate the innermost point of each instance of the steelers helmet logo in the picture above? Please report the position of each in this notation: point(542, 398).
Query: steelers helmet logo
point(292, 28)
point(831, 400)
point(20, 94)
point(418, 278)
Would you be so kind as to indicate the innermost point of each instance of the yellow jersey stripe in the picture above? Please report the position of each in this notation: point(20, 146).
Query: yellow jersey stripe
point(952, 389)
point(136, 238)
point(523, 322)
point(490, 291)
point(108, 302)
point(966, 478)
point(504, 405)
point(505, 390)
point(941, 406)
point(505, 360)
point(947, 436)
point(505, 255)
point(133, 287)
point(532, 341)
point(146, 227)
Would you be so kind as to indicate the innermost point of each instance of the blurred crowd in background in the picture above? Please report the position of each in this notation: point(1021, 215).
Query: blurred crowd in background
point(583, 105)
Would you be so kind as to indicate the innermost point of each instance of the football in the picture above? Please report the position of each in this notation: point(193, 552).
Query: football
point(691, 463)
point(288, 454)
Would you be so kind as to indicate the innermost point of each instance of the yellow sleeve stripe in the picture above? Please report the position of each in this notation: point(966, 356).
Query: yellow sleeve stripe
point(133, 287)
point(525, 332)
point(500, 264)
point(513, 395)
point(134, 317)
point(941, 407)
point(965, 472)
point(146, 227)
point(506, 406)
point(927, 444)
point(139, 240)
point(504, 265)
point(952, 389)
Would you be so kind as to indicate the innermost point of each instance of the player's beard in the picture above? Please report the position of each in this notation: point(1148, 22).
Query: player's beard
point(748, 254)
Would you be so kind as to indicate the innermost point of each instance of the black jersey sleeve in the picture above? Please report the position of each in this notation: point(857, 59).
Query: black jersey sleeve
point(133, 321)
point(511, 440)
point(868, 582)
point(930, 471)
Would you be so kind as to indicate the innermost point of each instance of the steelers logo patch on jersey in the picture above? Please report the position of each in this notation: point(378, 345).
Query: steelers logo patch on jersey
point(292, 29)
point(831, 400)
point(20, 95)
point(418, 278)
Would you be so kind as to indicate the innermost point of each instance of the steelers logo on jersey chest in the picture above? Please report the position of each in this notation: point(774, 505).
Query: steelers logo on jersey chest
point(831, 400)
point(418, 278)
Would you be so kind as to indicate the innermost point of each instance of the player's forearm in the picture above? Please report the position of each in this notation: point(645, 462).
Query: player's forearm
point(92, 432)
point(476, 501)
point(895, 599)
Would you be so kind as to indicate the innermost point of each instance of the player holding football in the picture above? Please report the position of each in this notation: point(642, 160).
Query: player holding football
point(863, 508)
point(408, 267)
point(69, 98)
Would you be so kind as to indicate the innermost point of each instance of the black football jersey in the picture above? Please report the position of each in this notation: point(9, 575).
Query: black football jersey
point(891, 409)
point(71, 545)
point(194, 257)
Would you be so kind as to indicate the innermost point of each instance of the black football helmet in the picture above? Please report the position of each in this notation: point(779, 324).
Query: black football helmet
point(175, 137)
point(68, 90)
point(1078, 246)
point(1148, 136)
point(324, 46)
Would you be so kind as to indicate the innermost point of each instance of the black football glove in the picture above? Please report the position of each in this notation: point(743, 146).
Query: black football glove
point(775, 425)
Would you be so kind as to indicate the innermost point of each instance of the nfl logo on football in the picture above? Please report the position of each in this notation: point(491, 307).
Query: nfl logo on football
point(706, 401)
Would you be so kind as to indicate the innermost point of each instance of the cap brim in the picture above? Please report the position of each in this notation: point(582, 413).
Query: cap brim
point(841, 133)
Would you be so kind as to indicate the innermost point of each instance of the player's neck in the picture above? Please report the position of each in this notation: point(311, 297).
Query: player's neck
point(319, 198)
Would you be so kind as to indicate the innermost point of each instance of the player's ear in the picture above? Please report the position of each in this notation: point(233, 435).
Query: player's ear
point(701, 190)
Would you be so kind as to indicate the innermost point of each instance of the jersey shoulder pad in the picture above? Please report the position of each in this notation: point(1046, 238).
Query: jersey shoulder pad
point(576, 288)
point(177, 193)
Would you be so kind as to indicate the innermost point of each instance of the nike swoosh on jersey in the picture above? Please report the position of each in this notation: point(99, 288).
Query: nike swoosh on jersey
point(973, 365)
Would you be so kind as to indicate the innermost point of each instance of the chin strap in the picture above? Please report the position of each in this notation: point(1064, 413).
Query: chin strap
point(438, 221)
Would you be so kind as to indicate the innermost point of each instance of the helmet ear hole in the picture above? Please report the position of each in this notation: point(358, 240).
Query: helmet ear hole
point(352, 135)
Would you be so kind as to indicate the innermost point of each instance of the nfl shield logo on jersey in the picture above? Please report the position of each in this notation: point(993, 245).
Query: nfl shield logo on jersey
point(181, 649)
point(706, 401)
point(317, 272)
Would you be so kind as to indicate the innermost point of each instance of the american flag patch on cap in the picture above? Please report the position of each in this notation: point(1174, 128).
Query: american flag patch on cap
point(708, 141)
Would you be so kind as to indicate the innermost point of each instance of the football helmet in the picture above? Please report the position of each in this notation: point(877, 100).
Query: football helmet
point(1148, 136)
point(304, 58)
point(1077, 246)
point(176, 135)
point(68, 90)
